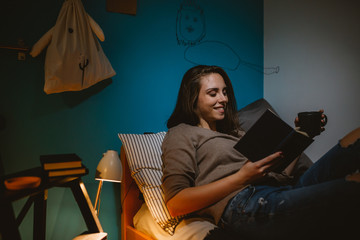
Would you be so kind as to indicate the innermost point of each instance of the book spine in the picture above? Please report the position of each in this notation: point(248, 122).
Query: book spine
point(61, 165)
point(68, 172)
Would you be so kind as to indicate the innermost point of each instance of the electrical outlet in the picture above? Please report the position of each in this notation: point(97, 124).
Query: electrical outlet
point(21, 56)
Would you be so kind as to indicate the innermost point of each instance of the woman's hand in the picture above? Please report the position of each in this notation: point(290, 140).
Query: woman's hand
point(194, 198)
point(252, 171)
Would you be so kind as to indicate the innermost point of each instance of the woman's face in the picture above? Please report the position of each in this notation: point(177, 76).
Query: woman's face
point(211, 101)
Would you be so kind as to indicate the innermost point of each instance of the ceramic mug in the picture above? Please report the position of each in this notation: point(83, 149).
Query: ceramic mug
point(310, 122)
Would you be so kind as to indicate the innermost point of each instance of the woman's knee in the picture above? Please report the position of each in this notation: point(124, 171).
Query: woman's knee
point(350, 138)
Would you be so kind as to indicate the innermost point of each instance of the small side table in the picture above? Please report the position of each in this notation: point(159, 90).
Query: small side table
point(38, 196)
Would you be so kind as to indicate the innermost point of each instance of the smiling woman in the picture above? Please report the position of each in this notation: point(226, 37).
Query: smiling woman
point(205, 94)
point(204, 174)
point(211, 101)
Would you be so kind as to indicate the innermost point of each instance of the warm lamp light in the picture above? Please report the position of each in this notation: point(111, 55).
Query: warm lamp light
point(109, 169)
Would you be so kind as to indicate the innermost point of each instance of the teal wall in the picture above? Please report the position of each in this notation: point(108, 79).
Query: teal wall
point(149, 63)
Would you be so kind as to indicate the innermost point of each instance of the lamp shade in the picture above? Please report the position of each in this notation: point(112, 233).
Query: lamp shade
point(109, 167)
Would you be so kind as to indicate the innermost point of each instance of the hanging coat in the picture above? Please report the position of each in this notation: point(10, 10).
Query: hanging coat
point(74, 59)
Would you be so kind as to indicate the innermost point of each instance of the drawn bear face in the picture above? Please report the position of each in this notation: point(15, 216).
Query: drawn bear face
point(190, 24)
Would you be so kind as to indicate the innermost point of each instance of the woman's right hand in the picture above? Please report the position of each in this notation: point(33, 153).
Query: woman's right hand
point(194, 198)
point(252, 171)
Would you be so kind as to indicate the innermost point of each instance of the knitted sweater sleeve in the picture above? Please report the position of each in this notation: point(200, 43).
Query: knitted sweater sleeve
point(179, 161)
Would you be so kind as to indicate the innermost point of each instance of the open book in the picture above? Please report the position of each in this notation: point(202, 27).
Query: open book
point(270, 134)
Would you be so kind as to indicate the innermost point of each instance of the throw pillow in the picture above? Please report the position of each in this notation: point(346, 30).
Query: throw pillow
point(143, 152)
point(252, 112)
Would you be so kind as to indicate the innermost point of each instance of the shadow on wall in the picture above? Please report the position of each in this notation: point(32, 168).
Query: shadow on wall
point(45, 104)
point(71, 99)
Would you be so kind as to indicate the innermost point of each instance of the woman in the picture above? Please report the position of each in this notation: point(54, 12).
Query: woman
point(204, 174)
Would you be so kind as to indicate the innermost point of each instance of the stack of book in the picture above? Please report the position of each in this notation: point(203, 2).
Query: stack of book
point(57, 165)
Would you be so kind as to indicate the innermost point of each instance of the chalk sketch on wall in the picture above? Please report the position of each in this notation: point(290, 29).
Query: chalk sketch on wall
point(190, 32)
point(190, 24)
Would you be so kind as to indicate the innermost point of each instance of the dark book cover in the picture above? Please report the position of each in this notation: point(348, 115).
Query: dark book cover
point(65, 157)
point(60, 161)
point(270, 134)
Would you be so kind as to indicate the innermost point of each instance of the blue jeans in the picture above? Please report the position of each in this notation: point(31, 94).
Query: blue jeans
point(322, 202)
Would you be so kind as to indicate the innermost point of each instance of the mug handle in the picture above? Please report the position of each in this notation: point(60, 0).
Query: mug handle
point(325, 120)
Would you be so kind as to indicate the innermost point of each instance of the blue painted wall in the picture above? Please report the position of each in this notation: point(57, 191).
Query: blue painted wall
point(149, 63)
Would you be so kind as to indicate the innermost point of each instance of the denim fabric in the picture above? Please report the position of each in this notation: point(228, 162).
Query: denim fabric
point(321, 202)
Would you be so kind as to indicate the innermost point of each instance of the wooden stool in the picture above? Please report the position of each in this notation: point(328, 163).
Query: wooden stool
point(92, 236)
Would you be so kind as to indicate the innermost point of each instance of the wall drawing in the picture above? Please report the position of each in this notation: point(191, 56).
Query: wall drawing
point(191, 31)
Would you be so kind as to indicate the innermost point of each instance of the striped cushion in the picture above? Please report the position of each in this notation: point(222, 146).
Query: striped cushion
point(143, 152)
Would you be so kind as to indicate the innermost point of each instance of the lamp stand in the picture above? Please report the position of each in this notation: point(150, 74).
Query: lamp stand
point(97, 199)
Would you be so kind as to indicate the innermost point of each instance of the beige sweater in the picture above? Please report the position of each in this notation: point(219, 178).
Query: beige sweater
point(194, 156)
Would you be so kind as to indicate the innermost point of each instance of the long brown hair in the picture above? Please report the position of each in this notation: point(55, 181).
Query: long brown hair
point(184, 111)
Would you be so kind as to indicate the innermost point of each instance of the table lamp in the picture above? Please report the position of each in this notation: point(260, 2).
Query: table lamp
point(109, 169)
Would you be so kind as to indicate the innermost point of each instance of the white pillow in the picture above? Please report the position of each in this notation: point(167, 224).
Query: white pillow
point(189, 229)
point(143, 152)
